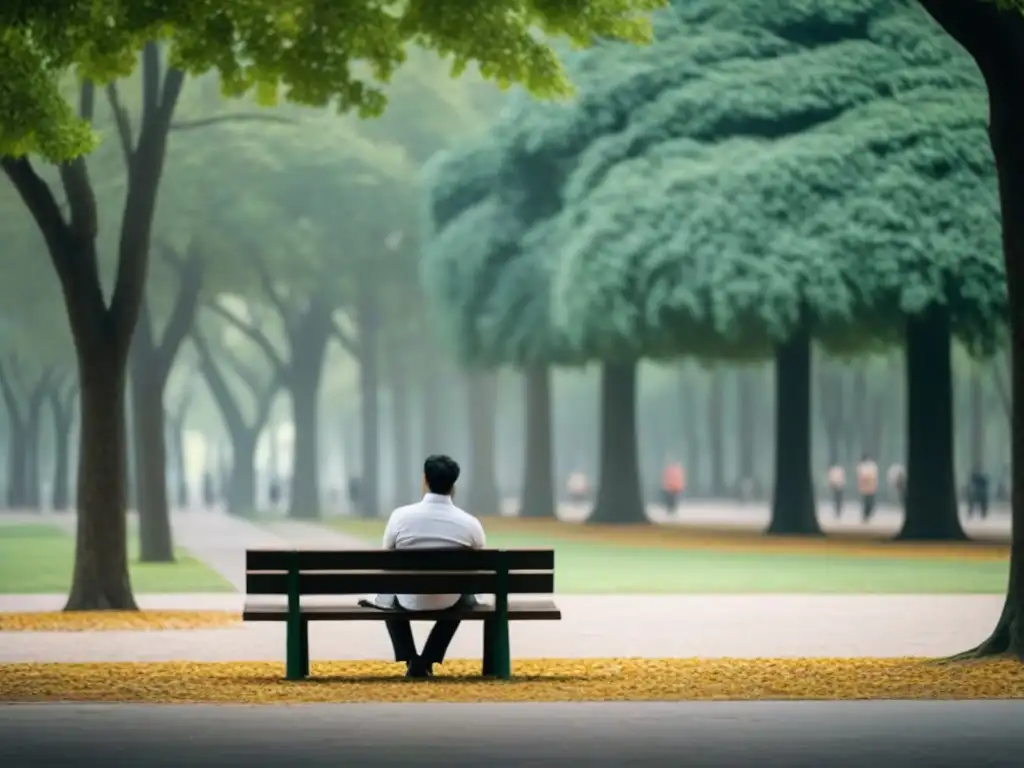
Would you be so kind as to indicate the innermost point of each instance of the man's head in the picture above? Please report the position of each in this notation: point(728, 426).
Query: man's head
point(440, 474)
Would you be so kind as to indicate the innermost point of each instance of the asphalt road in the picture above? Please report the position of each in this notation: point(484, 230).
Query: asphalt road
point(762, 734)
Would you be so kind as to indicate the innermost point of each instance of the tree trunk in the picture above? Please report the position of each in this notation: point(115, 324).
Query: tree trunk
point(16, 452)
point(101, 580)
point(156, 543)
point(33, 442)
point(62, 410)
point(619, 498)
point(178, 454)
point(691, 439)
point(977, 431)
point(241, 486)
point(931, 502)
point(746, 408)
point(401, 430)
point(538, 495)
point(482, 498)
point(793, 503)
point(305, 392)
point(830, 394)
point(368, 318)
point(432, 404)
point(716, 433)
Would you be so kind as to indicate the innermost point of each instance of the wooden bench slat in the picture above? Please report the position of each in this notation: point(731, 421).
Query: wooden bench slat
point(401, 560)
point(519, 610)
point(367, 582)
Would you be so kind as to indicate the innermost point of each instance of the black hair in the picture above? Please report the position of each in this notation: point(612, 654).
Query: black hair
point(441, 473)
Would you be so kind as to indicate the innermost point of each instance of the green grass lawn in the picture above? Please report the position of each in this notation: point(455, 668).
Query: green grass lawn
point(585, 567)
point(38, 559)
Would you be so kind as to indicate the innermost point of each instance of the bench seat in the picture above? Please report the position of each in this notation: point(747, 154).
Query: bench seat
point(518, 610)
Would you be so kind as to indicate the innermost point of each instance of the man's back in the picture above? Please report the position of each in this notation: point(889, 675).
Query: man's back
point(433, 523)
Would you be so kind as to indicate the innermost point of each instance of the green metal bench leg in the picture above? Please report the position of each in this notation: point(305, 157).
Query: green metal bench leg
point(304, 644)
point(297, 653)
point(500, 651)
point(488, 667)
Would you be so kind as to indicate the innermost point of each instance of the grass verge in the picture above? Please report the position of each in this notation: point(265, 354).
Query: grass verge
point(664, 560)
point(115, 621)
point(38, 559)
point(536, 680)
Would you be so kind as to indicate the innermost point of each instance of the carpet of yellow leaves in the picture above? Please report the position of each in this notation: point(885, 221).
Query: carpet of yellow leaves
point(534, 680)
point(98, 621)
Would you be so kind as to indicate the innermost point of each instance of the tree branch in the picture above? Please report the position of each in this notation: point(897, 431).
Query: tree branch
point(10, 399)
point(124, 125)
point(218, 387)
point(258, 337)
point(245, 117)
point(347, 341)
point(185, 305)
point(276, 299)
point(43, 206)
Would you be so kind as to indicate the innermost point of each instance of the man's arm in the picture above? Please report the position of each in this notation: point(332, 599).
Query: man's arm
point(479, 539)
point(391, 531)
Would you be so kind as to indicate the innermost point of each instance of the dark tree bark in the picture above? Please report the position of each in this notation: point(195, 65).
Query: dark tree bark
point(995, 38)
point(405, 480)
point(482, 497)
point(368, 319)
point(716, 432)
point(793, 502)
point(102, 331)
point(977, 421)
point(243, 433)
point(538, 496)
point(152, 358)
point(830, 396)
point(62, 405)
point(931, 502)
point(619, 498)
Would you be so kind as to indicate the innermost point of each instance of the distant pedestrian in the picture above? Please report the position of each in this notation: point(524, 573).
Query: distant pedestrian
point(897, 479)
point(578, 487)
point(978, 494)
point(837, 487)
point(275, 493)
point(867, 484)
point(673, 484)
point(354, 487)
point(209, 491)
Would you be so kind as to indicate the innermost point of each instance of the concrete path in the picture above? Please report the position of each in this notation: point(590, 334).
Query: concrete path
point(917, 734)
point(706, 626)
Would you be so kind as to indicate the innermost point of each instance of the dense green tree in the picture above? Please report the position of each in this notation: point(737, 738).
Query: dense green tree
point(299, 47)
point(695, 196)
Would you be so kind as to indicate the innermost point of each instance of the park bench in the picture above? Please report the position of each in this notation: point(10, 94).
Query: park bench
point(326, 574)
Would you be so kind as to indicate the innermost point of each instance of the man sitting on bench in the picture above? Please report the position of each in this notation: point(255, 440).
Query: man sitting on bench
point(434, 523)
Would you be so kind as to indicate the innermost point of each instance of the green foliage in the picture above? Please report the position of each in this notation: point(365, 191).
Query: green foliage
point(761, 166)
point(303, 49)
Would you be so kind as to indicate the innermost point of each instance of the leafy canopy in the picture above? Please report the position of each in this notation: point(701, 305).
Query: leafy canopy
point(313, 51)
point(710, 193)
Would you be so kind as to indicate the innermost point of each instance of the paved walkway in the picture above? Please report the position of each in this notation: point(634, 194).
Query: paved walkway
point(592, 626)
point(918, 734)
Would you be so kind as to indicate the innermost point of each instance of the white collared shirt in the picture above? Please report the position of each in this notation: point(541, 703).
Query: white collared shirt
point(434, 523)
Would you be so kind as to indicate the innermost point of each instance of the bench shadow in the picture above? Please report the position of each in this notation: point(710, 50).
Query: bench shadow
point(401, 680)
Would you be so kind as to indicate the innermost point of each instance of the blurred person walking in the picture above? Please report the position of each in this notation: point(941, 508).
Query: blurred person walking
point(673, 483)
point(978, 494)
point(867, 484)
point(837, 486)
point(577, 487)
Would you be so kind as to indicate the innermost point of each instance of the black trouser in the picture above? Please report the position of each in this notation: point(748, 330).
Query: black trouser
point(869, 506)
point(670, 499)
point(977, 501)
point(837, 500)
point(437, 643)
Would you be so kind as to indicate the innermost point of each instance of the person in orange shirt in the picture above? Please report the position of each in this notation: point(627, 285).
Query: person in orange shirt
point(867, 484)
point(673, 483)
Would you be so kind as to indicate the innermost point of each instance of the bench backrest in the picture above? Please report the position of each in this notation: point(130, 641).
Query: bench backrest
point(409, 571)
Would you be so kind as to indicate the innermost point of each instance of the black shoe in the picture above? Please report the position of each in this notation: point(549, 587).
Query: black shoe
point(419, 669)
